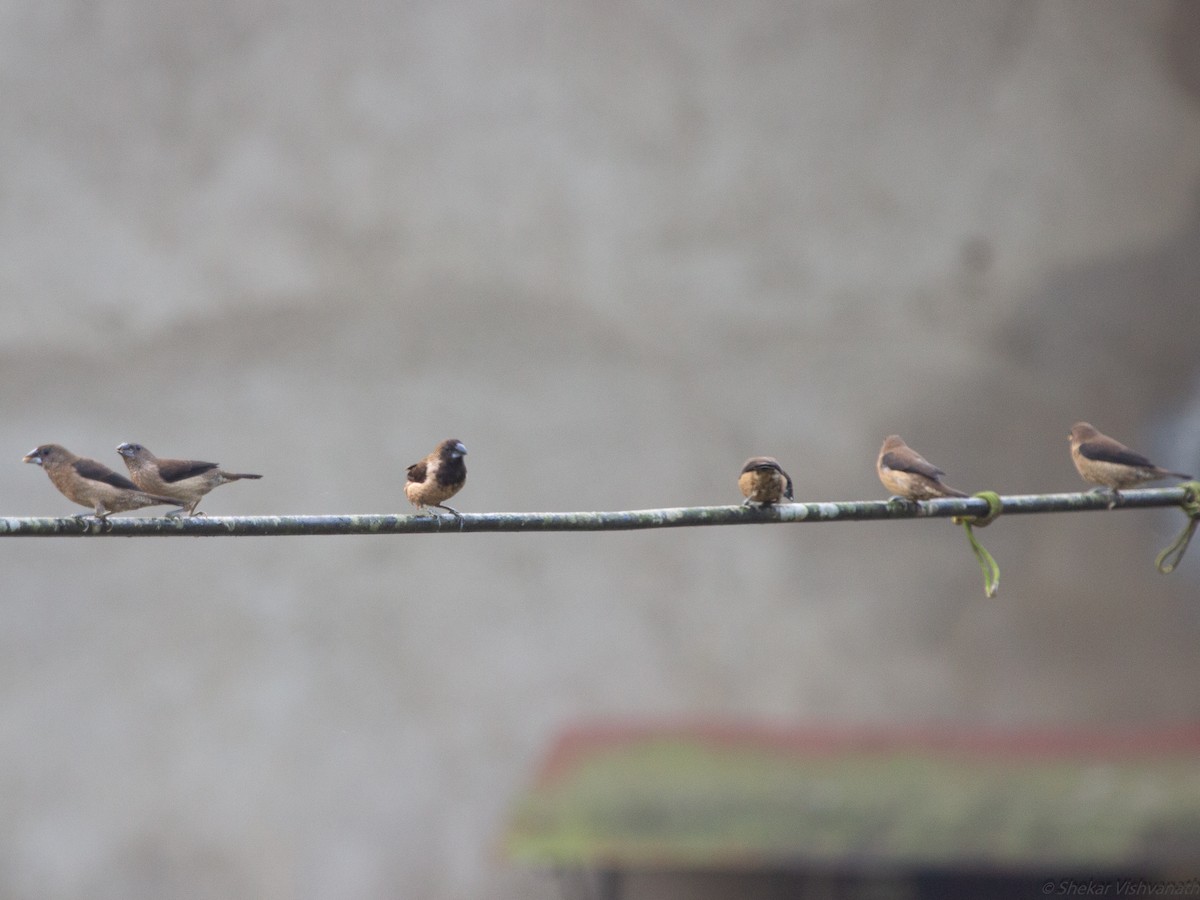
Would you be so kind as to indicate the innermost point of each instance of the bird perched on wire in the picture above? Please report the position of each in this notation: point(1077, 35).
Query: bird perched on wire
point(438, 477)
point(1109, 463)
point(186, 481)
point(906, 473)
point(763, 481)
point(91, 483)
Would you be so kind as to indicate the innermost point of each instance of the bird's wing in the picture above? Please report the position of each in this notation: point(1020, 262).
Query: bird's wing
point(94, 471)
point(171, 470)
point(912, 462)
point(1113, 452)
point(416, 472)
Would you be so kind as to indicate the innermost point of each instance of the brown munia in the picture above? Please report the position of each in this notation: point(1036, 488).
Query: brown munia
point(186, 481)
point(763, 481)
point(1105, 461)
point(908, 474)
point(91, 483)
point(438, 477)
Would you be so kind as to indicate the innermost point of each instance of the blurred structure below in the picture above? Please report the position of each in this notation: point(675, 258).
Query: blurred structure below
point(916, 814)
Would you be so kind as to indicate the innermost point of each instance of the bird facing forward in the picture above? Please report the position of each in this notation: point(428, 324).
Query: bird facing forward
point(1107, 462)
point(91, 483)
point(438, 477)
point(908, 474)
point(763, 481)
point(186, 481)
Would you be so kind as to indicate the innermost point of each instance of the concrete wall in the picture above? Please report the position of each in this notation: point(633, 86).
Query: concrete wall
point(616, 249)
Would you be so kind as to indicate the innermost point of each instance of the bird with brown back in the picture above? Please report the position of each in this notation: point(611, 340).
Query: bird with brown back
point(906, 473)
point(1107, 462)
point(91, 483)
point(184, 480)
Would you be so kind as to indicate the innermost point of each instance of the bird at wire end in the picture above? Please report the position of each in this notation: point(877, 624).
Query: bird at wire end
point(1106, 462)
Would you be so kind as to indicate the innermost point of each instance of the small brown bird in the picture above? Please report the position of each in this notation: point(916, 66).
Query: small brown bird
point(91, 483)
point(763, 481)
point(184, 480)
point(908, 474)
point(438, 477)
point(1109, 463)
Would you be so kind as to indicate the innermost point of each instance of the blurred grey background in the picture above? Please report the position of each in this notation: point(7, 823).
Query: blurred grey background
point(616, 249)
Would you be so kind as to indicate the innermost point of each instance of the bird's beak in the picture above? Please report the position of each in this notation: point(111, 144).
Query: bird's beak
point(460, 448)
point(32, 457)
point(123, 449)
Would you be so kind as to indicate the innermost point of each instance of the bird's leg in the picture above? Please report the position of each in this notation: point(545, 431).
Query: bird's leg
point(450, 509)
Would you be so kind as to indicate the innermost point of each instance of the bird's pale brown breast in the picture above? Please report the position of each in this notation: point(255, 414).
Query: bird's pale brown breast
point(762, 485)
point(762, 480)
point(909, 484)
point(1115, 475)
